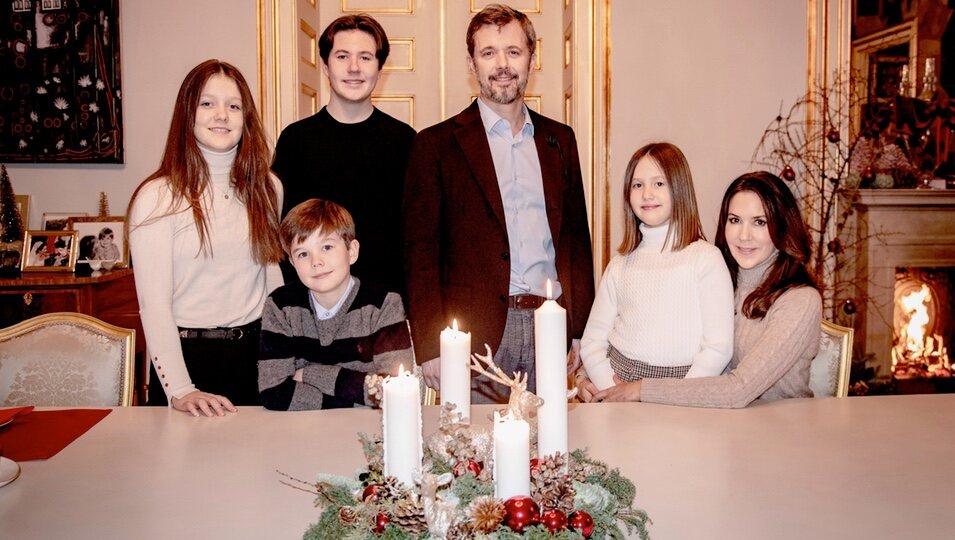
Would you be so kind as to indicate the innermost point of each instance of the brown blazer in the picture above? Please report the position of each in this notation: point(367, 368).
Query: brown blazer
point(457, 256)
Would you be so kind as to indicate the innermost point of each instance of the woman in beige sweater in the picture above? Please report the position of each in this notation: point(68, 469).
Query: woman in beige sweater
point(778, 307)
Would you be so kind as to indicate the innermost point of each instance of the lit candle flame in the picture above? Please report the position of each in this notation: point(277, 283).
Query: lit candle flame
point(550, 292)
point(401, 370)
point(454, 324)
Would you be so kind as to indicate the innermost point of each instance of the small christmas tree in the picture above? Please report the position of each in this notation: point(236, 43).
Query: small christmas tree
point(10, 221)
point(103, 204)
point(11, 225)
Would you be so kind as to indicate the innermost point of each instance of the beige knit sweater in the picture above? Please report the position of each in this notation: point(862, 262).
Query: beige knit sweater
point(771, 355)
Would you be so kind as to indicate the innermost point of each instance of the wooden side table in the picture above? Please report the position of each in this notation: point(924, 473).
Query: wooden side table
point(110, 297)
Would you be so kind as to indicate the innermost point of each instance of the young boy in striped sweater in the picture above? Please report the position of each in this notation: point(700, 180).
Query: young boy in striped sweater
point(322, 337)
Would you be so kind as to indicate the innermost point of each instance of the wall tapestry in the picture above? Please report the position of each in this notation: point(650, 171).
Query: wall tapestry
point(60, 98)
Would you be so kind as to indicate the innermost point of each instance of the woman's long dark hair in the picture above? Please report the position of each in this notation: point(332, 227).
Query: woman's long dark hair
point(187, 173)
point(787, 231)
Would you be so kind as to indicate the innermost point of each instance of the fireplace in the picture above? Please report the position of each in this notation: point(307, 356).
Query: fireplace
point(908, 240)
point(923, 323)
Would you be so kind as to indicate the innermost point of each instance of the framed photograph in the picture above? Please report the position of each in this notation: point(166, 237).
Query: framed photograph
point(101, 238)
point(58, 221)
point(23, 206)
point(49, 251)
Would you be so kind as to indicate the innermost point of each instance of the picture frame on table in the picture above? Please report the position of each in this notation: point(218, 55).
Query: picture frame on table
point(48, 251)
point(58, 221)
point(23, 206)
point(103, 239)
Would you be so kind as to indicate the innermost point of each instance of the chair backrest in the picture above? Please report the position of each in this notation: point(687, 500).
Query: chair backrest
point(66, 360)
point(829, 372)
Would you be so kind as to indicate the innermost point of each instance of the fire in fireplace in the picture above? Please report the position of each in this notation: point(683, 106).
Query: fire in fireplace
point(923, 322)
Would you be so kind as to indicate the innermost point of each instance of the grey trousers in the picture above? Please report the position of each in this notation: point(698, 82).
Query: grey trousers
point(516, 353)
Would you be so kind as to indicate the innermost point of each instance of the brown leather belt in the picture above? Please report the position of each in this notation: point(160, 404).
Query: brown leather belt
point(525, 301)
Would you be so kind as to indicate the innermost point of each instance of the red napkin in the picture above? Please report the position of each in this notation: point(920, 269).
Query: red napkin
point(42, 434)
point(6, 414)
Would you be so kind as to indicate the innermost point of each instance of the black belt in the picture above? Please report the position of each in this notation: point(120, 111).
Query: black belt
point(232, 333)
point(525, 301)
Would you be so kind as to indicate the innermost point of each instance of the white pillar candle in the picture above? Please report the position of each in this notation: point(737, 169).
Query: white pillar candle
point(401, 426)
point(512, 457)
point(550, 354)
point(455, 370)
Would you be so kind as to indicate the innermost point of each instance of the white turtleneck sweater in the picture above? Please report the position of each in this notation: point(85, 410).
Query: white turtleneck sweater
point(177, 284)
point(662, 307)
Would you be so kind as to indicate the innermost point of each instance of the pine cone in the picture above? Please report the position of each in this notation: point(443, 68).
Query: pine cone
point(459, 531)
point(551, 487)
point(391, 490)
point(486, 514)
point(347, 515)
point(580, 470)
point(409, 515)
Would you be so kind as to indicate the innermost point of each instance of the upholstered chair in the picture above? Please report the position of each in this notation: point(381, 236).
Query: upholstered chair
point(66, 360)
point(829, 372)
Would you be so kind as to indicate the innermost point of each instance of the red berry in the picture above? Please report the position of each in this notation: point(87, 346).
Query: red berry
point(381, 520)
point(370, 493)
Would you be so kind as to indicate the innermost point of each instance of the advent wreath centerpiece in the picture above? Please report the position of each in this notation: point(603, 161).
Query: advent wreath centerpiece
point(572, 496)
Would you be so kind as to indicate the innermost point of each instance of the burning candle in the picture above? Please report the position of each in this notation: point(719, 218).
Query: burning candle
point(512, 473)
point(455, 370)
point(401, 426)
point(550, 353)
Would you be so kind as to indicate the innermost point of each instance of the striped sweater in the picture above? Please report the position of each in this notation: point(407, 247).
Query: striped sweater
point(369, 334)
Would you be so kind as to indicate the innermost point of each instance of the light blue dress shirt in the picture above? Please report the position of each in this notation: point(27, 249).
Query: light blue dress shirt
point(522, 190)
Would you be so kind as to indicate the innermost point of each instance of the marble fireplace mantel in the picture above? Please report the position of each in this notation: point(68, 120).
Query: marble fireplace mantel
point(899, 228)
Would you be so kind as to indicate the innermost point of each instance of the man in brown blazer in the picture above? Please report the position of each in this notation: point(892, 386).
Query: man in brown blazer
point(493, 208)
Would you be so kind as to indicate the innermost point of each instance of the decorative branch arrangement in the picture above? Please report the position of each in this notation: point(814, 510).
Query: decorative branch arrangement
point(806, 147)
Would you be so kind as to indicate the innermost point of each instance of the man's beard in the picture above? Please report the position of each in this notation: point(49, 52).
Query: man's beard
point(505, 95)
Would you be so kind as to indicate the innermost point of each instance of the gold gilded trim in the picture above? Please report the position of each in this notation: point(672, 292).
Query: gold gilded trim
point(398, 98)
point(568, 40)
point(312, 94)
point(307, 29)
point(539, 55)
point(401, 42)
point(537, 7)
point(409, 10)
point(605, 154)
point(442, 63)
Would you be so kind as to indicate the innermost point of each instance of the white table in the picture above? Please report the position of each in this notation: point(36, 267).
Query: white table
point(873, 467)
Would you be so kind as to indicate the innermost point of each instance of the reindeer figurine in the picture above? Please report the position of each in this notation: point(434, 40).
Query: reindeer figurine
point(522, 404)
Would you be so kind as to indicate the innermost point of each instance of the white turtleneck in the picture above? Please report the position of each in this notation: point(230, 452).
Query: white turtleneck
point(662, 307)
point(177, 284)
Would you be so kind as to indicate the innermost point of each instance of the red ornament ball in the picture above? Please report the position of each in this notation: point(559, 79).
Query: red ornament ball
point(868, 174)
point(535, 465)
point(833, 136)
point(788, 173)
point(462, 467)
point(849, 306)
point(381, 520)
point(521, 512)
point(581, 522)
point(554, 520)
point(835, 246)
point(370, 493)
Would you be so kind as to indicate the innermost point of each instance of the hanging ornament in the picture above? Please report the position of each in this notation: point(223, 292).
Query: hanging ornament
point(849, 306)
point(581, 522)
point(381, 520)
point(462, 467)
point(554, 520)
point(788, 173)
point(835, 246)
point(833, 136)
point(520, 512)
point(371, 492)
point(868, 176)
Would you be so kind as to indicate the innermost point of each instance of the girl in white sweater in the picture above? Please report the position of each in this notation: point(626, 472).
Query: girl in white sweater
point(203, 233)
point(664, 307)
